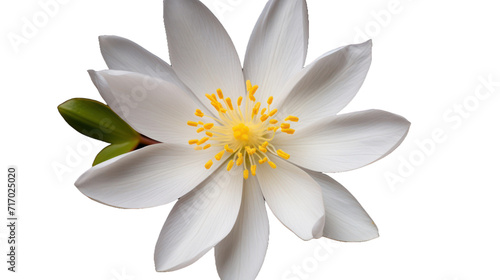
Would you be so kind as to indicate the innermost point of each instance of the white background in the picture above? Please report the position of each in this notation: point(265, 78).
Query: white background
point(439, 221)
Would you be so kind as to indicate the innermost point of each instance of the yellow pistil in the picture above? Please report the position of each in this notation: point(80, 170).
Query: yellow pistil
point(244, 132)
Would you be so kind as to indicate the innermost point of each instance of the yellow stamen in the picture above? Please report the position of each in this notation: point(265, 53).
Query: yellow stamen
point(288, 130)
point(264, 118)
point(198, 148)
point(262, 149)
point(263, 111)
point(245, 174)
point(254, 90)
point(239, 161)
point(219, 93)
point(209, 164)
point(272, 164)
point(228, 149)
point(273, 121)
point(190, 123)
point(270, 100)
point(254, 169)
point(229, 104)
point(282, 154)
point(208, 126)
point(194, 141)
point(199, 113)
point(219, 155)
point(230, 165)
point(207, 146)
point(264, 160)
point(200, 129)
point(285, 125)
point(209, 97)
point(239, 100)
point(203, 140)
point(292, 119)
point(265, 144)
point(209, 134)
point(273, 112)
point(249, 85)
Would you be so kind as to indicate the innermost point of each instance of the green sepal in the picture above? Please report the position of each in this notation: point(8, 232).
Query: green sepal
point(114, 150)
point(96, 120)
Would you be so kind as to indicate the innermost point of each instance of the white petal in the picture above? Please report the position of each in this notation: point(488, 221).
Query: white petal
point(123, 54)
point(346, 220)
point(153, 107)
point(199, 221)
point(152, 176)
point(326, 86)
point(345, 142)
point(241, 254)
point(278, 46)
point(201, 52)
point(294, 197)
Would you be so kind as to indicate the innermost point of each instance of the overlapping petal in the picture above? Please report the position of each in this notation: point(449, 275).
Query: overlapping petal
point(346, 220)
point(199, 221)
point(201, 52)
point(241, 254)
point(278, 46)
point(153, 107)
point(152, 176)
point(294, 197)
point(345, 142)
point(327, 85)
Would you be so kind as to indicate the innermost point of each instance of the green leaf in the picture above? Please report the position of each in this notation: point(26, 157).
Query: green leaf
point(114, 150)
point(96, 120)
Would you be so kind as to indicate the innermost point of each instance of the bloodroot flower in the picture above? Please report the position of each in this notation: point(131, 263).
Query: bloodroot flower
point(233, 139)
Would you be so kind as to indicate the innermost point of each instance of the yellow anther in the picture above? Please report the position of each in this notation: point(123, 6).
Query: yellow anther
point(216, 105)
point(200, 129)
point(254, 90)
point(270, 100)
point(198, 148)
point(209, 134)
point(245, 174)
point(256, 108)
point(292, 119)
point(285, 125)
point(194, 141)
point(230, 165)
point(190, 123)
point(228, 149)
point(249, 85)
point(271, 128)
point(273, 112)
point(229, 104)
point(207, 146)
point(272, 164)
point(265, 144)
point(209, 97)
point(202, 141)
point(273, 121)
point(262, 149)
point(240, 99)
point(209, 164)
point(264, 160)
point(219, 155)
point(254, 169)
point(282, 154)
point(223, 110)
point(239, 161)
point(288, 130)
point(199, 113)
point(251, 97)
point(263, 111)
point(219, 93)
point(250, 151)
point(214, 98)
point(264, 118)
point(208, 126)
point(200, 122)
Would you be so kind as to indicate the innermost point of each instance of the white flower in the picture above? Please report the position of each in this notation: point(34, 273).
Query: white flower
point(275, 139)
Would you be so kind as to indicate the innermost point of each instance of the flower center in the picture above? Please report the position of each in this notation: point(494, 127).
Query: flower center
point(244, 131)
